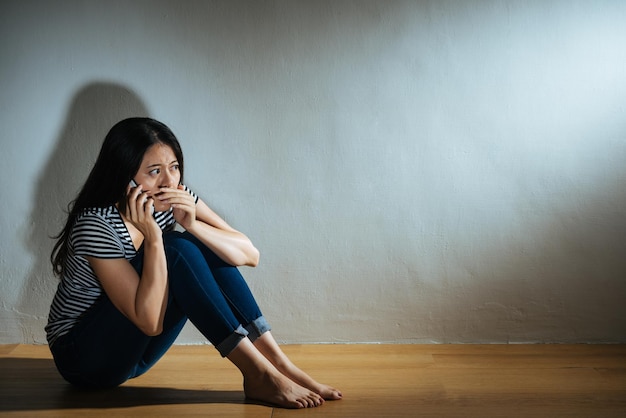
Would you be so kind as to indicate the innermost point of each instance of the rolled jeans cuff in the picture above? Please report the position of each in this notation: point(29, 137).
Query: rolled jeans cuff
point(229, 344)
point(257, 328)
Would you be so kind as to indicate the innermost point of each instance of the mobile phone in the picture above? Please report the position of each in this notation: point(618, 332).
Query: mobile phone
point(133, 184)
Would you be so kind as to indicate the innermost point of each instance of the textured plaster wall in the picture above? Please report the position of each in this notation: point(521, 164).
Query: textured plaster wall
point(412, 171)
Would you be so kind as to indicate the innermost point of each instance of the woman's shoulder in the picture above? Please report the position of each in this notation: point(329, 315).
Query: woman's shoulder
point(107, 218)
point(109, 213)
point(103, 226)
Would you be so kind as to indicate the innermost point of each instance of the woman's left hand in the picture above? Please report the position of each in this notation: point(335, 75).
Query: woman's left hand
point(183, 205)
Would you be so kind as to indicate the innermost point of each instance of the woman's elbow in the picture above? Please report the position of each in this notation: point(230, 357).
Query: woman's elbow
point(255, 255)
point(248, 258)
point(152, 331)
point(246, 255)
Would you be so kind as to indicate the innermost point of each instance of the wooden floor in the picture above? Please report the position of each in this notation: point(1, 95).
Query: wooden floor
point(377, 381)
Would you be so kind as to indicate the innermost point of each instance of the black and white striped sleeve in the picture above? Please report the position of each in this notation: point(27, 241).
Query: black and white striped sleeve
point(93, 236)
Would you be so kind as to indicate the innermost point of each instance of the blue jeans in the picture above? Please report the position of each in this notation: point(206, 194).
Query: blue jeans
point(105, 349)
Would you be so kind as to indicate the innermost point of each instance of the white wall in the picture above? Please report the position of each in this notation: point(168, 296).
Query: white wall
point(411, 171)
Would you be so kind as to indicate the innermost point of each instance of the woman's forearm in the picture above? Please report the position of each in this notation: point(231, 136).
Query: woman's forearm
point(151, 297)
point(231, 246)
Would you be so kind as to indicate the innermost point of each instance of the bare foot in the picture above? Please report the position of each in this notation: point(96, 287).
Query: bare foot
point(328, 392)
point(268, 346)
point(278, 390)
point(263, 382)
point(294, 373)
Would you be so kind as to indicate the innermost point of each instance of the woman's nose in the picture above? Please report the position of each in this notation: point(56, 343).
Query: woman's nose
point(169, 180)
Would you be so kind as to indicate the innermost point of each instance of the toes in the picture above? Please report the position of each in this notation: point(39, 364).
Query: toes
point(330, 394)
point(313, 400)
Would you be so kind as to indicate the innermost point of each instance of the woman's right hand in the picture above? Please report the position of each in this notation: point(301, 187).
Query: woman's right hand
point(139, 210)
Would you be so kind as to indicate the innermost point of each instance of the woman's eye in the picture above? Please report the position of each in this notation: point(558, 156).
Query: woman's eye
point(155, 172)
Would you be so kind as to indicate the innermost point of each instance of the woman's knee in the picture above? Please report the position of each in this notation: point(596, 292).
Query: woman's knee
point(177, 243)
point(186, 243)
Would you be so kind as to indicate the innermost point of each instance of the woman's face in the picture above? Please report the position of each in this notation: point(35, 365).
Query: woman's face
point(159, 168)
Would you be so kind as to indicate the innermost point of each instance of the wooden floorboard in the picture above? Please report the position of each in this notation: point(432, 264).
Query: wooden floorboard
point(377, 381)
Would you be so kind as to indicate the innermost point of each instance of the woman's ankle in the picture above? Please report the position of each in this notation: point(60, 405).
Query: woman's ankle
point(250, 362)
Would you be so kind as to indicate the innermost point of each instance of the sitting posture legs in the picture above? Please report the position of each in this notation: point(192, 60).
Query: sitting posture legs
point(217, 300)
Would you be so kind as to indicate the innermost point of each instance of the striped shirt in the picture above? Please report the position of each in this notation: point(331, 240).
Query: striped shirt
point(99, 233)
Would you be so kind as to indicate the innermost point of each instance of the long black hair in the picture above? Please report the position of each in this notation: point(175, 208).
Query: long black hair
point(119, 160)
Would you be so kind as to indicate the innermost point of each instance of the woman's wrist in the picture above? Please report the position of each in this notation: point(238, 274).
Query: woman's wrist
point(153, 241)
point(193, 228)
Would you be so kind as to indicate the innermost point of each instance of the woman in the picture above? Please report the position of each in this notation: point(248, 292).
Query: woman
point(129, 281)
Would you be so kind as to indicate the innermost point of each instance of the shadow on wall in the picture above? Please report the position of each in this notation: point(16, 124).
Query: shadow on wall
point(94, 110)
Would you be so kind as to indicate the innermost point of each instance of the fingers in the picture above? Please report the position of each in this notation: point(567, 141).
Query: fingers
point(140, 205)
point(182, 203)
point(175, 197)
point(148, 206)
point(131, 202)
